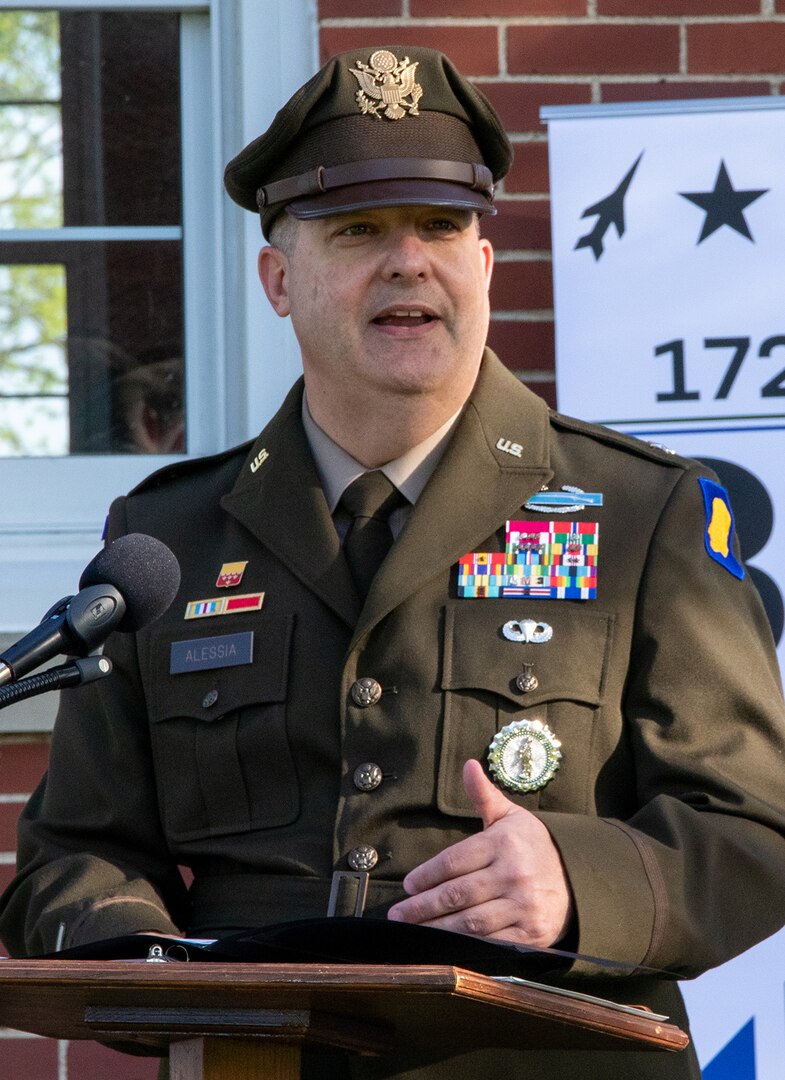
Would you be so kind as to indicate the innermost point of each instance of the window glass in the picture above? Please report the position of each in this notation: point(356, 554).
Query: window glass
point(91, 309)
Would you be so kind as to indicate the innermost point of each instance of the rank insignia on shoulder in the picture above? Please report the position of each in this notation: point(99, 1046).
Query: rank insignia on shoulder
point(549, 560)
point(524, 756)
point(570, 500)
point(223, 605)
point(231, 574)
point(718, 534)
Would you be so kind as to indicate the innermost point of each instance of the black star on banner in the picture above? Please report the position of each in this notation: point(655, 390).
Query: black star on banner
point(723, 205)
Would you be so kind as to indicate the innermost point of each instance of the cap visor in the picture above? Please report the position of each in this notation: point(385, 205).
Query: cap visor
point(382, 193)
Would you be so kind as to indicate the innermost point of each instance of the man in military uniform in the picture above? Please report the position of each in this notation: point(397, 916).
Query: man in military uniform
point(549, 713)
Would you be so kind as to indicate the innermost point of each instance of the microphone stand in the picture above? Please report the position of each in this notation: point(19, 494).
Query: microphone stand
point(76, 672)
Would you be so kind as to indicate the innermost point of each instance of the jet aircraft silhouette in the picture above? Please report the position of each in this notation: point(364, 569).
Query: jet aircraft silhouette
point(609, 211)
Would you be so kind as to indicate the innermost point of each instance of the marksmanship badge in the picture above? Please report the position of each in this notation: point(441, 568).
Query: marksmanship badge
point(389, 83)
point(524, 755)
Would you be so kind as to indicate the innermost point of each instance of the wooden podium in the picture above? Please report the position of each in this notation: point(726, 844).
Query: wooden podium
point(245, 1021)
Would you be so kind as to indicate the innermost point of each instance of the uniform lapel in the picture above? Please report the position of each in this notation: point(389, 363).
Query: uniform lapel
point(477, 486)
point(279, 498)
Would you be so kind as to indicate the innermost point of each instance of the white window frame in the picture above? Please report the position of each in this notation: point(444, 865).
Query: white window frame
point(240, 60)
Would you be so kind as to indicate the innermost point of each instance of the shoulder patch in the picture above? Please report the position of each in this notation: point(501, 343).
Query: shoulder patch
point(718, 534)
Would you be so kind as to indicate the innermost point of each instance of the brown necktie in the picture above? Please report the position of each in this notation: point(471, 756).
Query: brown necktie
point(369, 500)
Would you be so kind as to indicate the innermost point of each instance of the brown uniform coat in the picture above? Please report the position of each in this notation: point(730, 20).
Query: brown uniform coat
point(669, 804)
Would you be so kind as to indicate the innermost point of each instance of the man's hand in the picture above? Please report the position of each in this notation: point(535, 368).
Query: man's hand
point(505, 882)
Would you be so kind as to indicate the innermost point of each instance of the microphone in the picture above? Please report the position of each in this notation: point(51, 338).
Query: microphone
point(127, 585)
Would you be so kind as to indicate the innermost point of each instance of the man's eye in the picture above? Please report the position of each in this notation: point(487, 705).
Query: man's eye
point(442, 225)
point(357, 228)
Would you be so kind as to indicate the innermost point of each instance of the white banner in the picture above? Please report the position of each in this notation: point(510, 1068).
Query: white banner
point(669, 283)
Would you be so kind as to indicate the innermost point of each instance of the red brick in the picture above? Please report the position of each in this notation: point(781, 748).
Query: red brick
point(522, 286)
point(604, 50)
point(529, 172)
point(736, 48)
point(519, 225)
point(524, 346)
point(91, 1061)
point(780, 8)
point(474, 49)
point(29, 1059)
point(22, 764)
point(518, 104)
point(9, 815)
point(502, 8)
point(670, 91)
point(347, 9)
point(640, 8)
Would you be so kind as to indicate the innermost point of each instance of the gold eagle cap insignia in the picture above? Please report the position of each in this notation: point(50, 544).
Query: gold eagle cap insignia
point(385, 86)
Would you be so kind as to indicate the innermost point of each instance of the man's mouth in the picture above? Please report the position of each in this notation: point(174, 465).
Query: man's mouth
point(408, 316)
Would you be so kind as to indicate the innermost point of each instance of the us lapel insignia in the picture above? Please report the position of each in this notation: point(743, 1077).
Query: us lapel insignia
point(547, 560)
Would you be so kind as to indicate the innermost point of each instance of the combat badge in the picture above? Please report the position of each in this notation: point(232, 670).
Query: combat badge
point(718, 534)
point(524, 755)
point(570, 500)
point(389, 83)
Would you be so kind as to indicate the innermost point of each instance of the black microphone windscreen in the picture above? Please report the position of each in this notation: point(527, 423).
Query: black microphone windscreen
point(143, 570)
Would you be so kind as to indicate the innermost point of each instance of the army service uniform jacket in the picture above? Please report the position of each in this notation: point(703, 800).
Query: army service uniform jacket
point(668, 806)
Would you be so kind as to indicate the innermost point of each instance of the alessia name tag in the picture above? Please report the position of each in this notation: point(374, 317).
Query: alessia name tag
point(201, 654)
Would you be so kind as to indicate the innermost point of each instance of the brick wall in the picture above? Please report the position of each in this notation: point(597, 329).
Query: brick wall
point(528, 53)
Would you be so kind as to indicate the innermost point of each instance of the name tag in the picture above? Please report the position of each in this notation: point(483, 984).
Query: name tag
point(225, 650)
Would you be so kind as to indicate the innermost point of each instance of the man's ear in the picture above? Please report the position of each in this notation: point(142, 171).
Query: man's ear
point(486, 252)
point(274, 276)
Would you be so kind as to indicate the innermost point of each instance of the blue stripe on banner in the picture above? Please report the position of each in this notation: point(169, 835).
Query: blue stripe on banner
point(736, 1060)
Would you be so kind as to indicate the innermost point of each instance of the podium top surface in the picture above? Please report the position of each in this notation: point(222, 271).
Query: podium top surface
point(358, 1006)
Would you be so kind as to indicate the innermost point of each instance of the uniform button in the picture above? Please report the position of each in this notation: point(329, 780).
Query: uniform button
point(365, 692)
point(363, 857)
point(210, 698)
point(367, 776)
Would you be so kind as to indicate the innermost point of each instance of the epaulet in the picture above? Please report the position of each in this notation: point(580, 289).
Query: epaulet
point(190, 467)
point(651, 450)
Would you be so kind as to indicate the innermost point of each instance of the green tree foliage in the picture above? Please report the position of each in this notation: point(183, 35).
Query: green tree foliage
point(32, 297)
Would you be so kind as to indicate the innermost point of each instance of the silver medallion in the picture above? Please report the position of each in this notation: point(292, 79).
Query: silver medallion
point(524, 755)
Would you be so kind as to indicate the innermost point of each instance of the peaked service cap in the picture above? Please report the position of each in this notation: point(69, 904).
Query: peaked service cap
point(375, 127)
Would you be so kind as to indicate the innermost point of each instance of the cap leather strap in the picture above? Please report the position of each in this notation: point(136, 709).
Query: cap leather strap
point(322, 179)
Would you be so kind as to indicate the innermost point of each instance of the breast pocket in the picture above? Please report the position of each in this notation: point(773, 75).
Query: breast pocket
point(222, 754)
point(482, 695)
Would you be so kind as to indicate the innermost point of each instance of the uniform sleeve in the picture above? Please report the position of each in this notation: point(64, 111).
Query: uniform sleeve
point(92, 861)
point(697, 873)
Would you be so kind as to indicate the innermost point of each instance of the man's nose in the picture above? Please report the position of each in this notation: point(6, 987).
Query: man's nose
point(406, 258)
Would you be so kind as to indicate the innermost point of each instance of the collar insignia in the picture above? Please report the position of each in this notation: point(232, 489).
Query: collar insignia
point(385, 84)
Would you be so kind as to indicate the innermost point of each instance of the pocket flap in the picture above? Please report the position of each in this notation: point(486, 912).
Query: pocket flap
point(211, 693)
point(570, 666)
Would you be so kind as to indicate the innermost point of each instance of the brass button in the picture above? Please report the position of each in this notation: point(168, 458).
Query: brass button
point(365, 692)
point(367, 776)
point(363, 857)
point(210, 698)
